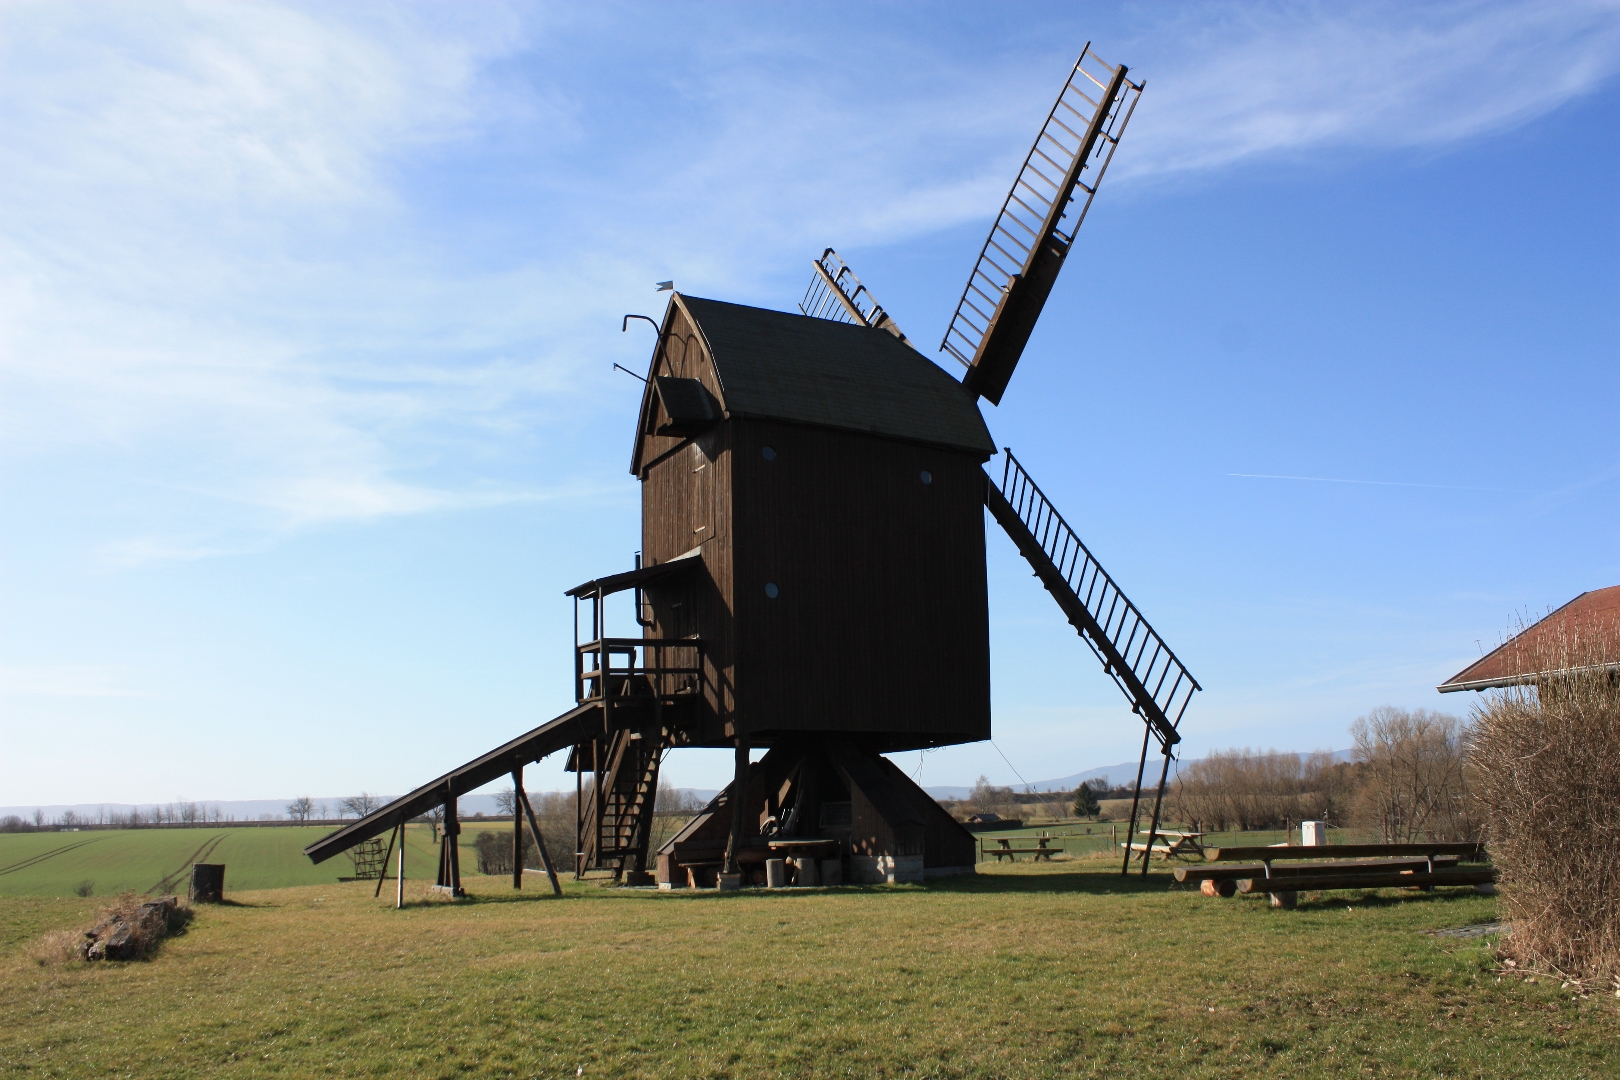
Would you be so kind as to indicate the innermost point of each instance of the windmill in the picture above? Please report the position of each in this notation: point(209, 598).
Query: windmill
point(812, 577)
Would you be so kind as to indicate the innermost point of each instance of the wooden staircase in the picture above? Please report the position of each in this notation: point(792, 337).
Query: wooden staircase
point(617, 823)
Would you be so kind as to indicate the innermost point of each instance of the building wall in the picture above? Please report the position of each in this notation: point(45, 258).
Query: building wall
point(685, 496)
point(880, 626)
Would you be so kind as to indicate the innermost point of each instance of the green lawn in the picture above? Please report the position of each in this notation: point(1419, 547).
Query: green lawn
point(138, 860)
point(1050, 970)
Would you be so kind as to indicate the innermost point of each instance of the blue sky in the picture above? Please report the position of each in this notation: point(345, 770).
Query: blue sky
point(307, 318)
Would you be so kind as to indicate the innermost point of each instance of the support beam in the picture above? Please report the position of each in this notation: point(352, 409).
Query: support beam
point(517, 829)
point(399, 871)
point(382, 874)
point(539, 841)
point(1153, 829)
point(1136, 795)
point(739, 796)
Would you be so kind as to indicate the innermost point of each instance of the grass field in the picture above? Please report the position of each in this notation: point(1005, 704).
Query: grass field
point(1056, 970)
point(139, 860)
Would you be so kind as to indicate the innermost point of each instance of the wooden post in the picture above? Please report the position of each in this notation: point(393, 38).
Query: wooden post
point(399, 871)
point(579, 809)
point(383, 873)
point(739, 792)
point(1136, 797)
point(452, 839)
point(1153, 830)
point(517, 829)
point(540, 843)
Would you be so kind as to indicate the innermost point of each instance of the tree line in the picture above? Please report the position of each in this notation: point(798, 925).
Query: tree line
point(1411, 778)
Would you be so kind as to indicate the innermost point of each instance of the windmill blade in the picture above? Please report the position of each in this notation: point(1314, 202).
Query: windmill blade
point(1155, 682)
point(836, 293)
point(1036, 227)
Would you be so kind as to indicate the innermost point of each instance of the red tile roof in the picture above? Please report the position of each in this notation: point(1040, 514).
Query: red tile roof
point(1592, 616)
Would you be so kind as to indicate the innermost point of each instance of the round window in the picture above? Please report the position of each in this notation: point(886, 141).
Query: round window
point(768, 453)
point(771, 590)
point(927, 477)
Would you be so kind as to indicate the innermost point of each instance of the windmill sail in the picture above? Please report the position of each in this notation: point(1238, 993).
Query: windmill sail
point(836, 293)
point(1155, 682)
point(1036, 227)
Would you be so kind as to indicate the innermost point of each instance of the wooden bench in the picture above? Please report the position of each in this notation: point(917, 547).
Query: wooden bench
point(1320, 868)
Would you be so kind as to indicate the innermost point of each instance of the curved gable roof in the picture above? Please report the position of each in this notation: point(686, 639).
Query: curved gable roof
point(779, 366)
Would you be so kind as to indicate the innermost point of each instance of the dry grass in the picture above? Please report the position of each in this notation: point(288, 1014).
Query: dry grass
point(1548, 774)
point(138, 924)
point(56, 947)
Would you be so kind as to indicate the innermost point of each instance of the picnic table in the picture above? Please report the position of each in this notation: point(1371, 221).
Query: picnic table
point(1177, 844)
point(1042, 849)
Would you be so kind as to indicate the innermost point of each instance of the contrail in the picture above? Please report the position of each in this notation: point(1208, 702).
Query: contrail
point(1378, 483)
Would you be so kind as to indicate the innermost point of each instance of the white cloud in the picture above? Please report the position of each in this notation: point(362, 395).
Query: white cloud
point(1252, 82)
point(242, 248)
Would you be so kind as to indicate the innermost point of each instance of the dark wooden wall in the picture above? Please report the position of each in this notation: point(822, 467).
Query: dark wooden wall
point(880, 628)
point(881, 623)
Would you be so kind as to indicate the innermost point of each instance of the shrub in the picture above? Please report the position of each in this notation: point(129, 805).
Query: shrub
point(495, 852)
point(1547, 764)
point(84, 888)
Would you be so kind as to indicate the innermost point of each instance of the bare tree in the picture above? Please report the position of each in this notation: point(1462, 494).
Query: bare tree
point(362, 804)
point(301, 808)
point(1413, 783)
point(507, 801)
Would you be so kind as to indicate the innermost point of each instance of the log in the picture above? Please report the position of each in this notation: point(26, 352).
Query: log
point(1380, 880)
point(1223, 887)
point(1190, 874)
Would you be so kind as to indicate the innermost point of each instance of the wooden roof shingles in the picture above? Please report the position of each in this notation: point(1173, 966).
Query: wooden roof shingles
point(1588, 624)
point(775, 365)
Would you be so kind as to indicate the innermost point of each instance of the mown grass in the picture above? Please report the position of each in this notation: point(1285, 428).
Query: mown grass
point(138, 860)
point(1050, 970)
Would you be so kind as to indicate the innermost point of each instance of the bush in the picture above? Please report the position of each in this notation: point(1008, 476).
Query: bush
point(1547, 765)
point(495, 851)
